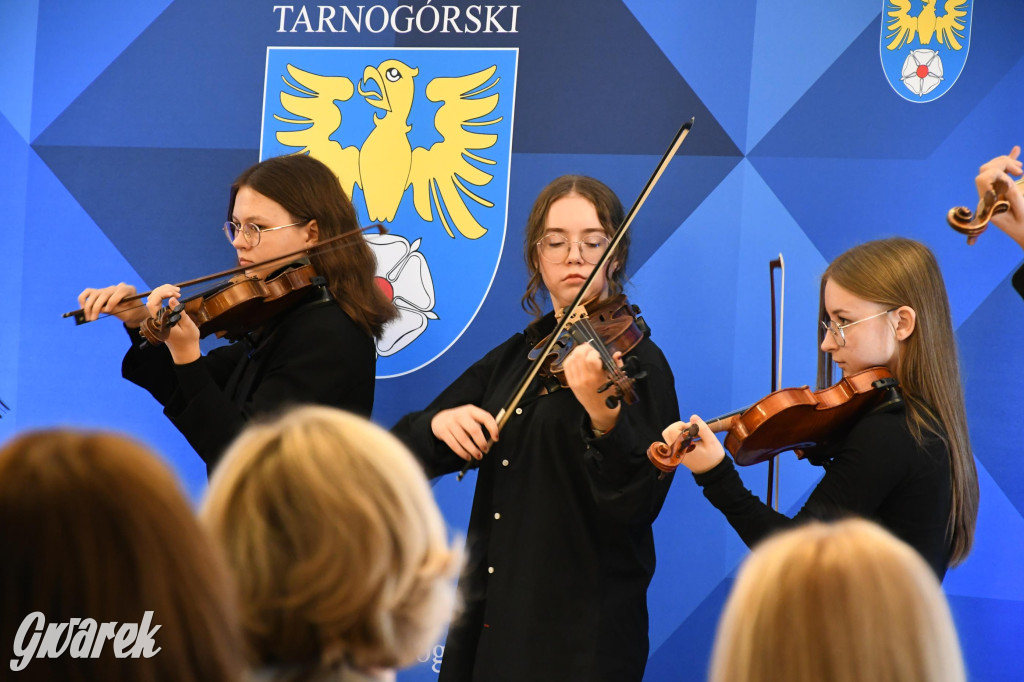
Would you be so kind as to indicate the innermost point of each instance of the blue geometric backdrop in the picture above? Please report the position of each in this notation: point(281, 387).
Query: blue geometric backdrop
point(123, 123)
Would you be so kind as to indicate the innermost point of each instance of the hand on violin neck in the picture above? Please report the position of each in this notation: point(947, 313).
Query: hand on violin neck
point(585, 374)
point(998, 175)
point(704, 452)
point(182, 338)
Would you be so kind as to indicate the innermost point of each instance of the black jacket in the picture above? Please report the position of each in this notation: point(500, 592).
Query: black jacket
point(312, 354)
point(559, 549)
point(878, 472)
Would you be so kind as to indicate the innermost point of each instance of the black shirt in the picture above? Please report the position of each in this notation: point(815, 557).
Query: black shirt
point(314, 353)
point(878, 472)
point(559, 549)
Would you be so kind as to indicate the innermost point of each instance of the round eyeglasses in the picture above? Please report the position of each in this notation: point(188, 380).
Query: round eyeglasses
point(251, 232)
point(555, 248)
point(838, 330)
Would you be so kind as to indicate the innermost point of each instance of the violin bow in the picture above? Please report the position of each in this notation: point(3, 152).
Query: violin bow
point(774, 463)
point(79, 314)
point(567, 314)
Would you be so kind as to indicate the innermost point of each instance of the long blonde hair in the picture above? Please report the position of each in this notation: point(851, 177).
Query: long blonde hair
point(844, 602)
point(338, 547)
point(902, 272)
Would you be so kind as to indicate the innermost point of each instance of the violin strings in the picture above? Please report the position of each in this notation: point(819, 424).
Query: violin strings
point(340, 244)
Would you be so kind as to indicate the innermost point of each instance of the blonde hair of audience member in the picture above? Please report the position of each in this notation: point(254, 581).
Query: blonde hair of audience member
point(340, 551)
point(844, 602)
point(93, 525)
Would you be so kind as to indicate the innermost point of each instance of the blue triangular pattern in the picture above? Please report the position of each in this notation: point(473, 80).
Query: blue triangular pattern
point(69, 56)
point(853, 112)
point(686, 654)
point(615, 102)
point(13, 196)
point(989, 630)
point(992, 364)
point(66, 245)
point(18, 36)
point(152, 227)
point(842, 202)
point(786, 34)
point(710, 45)
point(998, 542)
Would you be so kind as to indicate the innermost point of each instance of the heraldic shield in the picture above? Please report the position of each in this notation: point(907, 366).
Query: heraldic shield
point(421, 140)
point(924, 45)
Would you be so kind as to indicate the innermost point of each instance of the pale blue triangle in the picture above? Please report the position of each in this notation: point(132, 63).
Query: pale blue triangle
point(673, 288)
point(71, 375)
point(795, 42)
point(710, 45)
point(15, 154)
point(17, 54)
point(992, 570)
point(76, 43)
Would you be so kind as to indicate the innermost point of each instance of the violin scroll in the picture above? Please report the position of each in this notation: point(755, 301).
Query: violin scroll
point(992, 203)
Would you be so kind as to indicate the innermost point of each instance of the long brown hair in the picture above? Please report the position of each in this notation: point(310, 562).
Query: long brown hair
point(93, 526)
point(609, 212)
point(309, 190)
point(902, 272)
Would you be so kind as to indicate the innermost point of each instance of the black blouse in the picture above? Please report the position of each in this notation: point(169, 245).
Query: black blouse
point(314, 354)
point(559, 549)
point(878, 472)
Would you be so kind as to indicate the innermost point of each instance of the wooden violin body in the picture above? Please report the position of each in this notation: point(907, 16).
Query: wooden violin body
point(238, 306)
point(614, 324)
point(788, 419)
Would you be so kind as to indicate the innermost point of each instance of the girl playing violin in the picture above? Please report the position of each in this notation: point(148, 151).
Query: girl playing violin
point(1001, 170)
point(908, 465)
point(560, 548)
point(319, 351)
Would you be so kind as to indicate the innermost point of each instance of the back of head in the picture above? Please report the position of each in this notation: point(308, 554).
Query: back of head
point(339, 549)
point(93, 526)
point(309, 190)
point(844, 602)
point(902, 272)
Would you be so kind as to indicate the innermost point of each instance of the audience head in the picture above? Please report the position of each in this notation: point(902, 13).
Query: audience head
point(339, 550)
point(845, 602)
point(93, 526)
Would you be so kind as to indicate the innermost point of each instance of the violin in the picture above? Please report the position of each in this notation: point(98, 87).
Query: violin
point(245, 302)
point(788, 419)
point(610, 326)
point(992, 204)
point(232, 309)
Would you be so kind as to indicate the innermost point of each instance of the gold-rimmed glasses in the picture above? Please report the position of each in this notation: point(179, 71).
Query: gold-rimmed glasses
point(838, 330)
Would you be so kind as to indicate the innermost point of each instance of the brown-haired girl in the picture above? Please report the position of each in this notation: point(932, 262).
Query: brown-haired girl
point(321, 351)
point(560, 548)
point(907, 465)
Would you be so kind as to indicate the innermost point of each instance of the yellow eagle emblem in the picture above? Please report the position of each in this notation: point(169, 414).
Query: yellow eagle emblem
point(386, 165)
point(948, 28)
